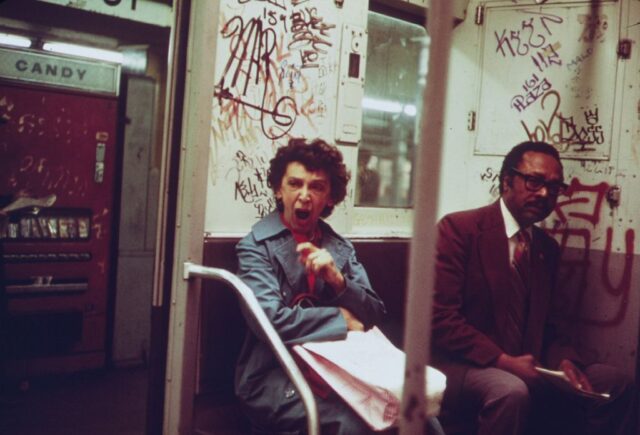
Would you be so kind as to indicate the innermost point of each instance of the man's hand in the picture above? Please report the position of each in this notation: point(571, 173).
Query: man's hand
point(521, 366)
point(575, 375)
point(320, 262)
point(353, 324)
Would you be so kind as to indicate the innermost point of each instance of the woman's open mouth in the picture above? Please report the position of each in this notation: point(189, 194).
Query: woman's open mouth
point(303, 214)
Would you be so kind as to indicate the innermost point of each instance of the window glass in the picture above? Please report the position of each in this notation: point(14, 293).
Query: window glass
point(392, 93)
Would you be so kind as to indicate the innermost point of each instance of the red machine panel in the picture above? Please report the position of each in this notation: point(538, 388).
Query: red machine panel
point(57, 259)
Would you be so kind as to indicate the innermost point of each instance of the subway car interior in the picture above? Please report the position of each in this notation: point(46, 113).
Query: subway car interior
point(135, 143)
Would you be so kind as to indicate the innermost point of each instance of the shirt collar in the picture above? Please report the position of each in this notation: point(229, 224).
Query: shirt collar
point(510, 224)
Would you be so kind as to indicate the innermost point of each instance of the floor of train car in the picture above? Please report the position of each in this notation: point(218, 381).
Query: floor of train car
point(105, 402)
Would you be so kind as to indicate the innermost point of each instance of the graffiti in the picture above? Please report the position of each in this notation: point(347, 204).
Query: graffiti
point(533, 89)
point(531, 39)
point(584, 204)
point(249, 174)
point(250, 63)
point(310, 35)
point(562, 131)
point(597, 167)
point(595, 27)
point(291, 77)
point(596, 200)
point(277, 3)
point(577, 61)
point(313, 109)
point(273, 18)
point(56, 125)
point(492, 176)
point(100, 224)
point(234, 124)
point(263, 88)
point(34, 173)
point(535, 32)
point(546, 57)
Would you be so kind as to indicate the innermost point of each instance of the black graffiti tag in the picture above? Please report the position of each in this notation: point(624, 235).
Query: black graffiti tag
point(563, 132)
point(249, 66)
point(309, 33)
point(533, 37)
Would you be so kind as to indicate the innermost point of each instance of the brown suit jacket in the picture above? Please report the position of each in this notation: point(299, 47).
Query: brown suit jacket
point(472, 285)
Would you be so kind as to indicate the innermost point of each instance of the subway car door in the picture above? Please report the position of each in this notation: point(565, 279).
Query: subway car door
point(58, 145)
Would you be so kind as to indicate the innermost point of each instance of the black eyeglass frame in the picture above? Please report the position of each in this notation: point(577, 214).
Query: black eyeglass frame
point(534, 183)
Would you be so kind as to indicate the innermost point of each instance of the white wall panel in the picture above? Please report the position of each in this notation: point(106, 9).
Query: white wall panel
point(276, 76)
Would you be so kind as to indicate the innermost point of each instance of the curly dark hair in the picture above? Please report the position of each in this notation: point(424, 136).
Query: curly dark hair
point(514, 157)
point(316, 155)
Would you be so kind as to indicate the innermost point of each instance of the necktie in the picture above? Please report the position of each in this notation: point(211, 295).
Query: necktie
point(521, 256)
point(518, 305)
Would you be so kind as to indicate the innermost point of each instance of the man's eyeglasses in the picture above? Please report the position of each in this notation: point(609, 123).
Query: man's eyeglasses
point(534, 183)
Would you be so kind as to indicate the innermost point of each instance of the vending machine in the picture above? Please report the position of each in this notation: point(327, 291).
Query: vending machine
point(58, 154)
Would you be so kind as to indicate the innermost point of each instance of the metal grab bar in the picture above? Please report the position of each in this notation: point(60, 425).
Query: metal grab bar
point(249, 299)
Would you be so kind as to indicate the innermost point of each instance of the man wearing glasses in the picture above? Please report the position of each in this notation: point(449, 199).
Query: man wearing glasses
point(496, 321)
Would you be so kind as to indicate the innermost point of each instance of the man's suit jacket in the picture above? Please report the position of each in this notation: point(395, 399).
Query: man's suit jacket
point(472, 287)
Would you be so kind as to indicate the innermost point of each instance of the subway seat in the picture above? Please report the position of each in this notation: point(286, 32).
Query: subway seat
point(222, 327)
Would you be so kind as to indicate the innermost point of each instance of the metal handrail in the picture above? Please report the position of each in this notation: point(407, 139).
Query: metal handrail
point(286, 360)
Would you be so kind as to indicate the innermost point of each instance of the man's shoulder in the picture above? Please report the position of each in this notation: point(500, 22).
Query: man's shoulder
point(480, 217)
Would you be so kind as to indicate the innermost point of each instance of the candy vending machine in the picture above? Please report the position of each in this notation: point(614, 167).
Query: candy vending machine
point(58, 153)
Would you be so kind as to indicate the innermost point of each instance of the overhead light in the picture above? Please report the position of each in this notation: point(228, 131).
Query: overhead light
point(14, 40)
point(381, 105)
point(410, 110)
point(83, 51)
point(388, 106)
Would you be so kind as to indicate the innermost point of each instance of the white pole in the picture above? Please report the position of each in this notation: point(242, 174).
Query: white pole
point(417, 330)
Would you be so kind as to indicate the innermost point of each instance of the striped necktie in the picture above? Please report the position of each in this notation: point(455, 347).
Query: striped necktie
point(518, 304)
point(521, 262)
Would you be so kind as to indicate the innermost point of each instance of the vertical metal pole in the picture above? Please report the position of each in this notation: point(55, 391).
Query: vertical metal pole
point(417, 330)
point(192, 171)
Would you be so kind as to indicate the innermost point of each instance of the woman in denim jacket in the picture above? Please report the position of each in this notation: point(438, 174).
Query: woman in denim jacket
point(309, 283)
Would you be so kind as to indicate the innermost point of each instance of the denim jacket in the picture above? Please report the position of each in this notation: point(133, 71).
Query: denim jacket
point(268, 263)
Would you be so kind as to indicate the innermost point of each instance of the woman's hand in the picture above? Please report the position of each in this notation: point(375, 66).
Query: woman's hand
point(320, 262)
point(353, 324)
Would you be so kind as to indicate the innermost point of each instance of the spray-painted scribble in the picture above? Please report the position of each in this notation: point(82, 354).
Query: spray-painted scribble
point(249, 174)
point(250, 64)
point(492, 176)
point(584, 204)
point(532, 39)
point(37, 173)
point(595, 28)
point(310, 35)
point(597, 167)
point(273, 18)
point(579, 59)
point(532, 34)
point(578, 193)
point(563, 132)
point(546, 57)
point(534, 89)
point(100, 224)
